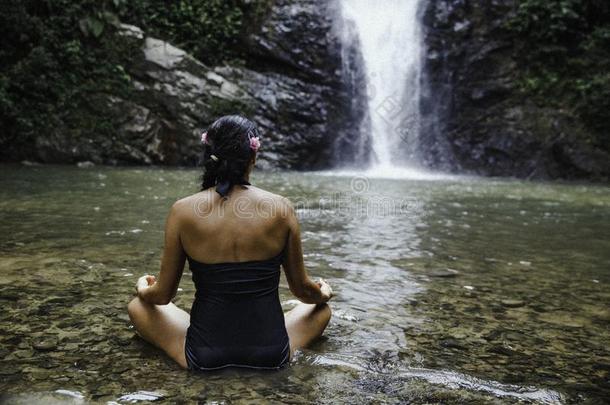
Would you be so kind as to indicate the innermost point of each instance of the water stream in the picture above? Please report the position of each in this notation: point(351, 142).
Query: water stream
point(389, 36)
point(449, 290)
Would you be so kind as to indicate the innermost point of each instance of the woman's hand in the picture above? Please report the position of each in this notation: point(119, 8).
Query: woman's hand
point(144, 282)
point(327, 292)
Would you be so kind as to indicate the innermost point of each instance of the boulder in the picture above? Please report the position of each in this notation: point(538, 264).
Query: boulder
point(291, 85)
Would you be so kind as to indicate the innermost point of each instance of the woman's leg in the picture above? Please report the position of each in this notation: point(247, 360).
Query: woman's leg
point(305, 323)
point(162, 325)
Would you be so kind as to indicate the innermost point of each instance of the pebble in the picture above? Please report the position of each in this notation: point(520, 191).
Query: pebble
point(502, 349)
point(22, 354)
point(452, 344)
point(46, 344)
point(513, 303)
point(448, 273)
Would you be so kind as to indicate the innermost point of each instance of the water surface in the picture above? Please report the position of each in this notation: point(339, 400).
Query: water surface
point(455, 290)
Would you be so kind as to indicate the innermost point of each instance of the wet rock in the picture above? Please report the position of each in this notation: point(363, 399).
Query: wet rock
point(23, 354)
point(85, 164)
point(502, 349)
point(492, 335)
point(489, 128)
point(446, 273)
point(45, 344)
point(512, 303)
point(451, 343)
point(299, 105)
point(291, 85)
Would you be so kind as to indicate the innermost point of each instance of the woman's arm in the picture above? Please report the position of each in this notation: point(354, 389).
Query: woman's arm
point(161, 291)
point(300, 284)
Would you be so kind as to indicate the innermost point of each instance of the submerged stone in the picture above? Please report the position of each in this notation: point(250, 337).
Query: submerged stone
point(446, 273)
point(512, 303)
point(503, 349)
point(45, 344)
point(452, 344)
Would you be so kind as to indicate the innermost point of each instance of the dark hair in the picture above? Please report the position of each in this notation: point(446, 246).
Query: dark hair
point(227, 153)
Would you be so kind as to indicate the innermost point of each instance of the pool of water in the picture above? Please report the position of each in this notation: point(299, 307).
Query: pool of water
point(448, 290)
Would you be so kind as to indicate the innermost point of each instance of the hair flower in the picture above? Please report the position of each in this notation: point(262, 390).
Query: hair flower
point(255, 143)
point(204, 138)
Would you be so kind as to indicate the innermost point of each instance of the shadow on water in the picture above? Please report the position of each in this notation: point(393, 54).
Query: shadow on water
point(449, 290)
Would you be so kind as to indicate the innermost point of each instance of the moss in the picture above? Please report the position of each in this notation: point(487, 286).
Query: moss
point(564, 54)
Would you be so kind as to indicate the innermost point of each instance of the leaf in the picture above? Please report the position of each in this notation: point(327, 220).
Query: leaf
point(111, 19)
point(96, 27)
point(84, 27)
point(91, 26)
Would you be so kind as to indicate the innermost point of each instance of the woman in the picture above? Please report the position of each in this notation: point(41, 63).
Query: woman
point(235, 237)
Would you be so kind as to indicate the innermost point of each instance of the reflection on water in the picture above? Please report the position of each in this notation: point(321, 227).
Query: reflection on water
point(450, 290)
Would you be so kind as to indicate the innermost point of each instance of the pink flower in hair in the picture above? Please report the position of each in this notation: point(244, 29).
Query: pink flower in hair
point(204, 138)
point(255, 143)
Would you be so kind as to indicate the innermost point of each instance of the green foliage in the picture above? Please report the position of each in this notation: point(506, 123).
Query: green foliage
point(564, 57)
point(52, 55)
point(209, 29)
point(58, 58)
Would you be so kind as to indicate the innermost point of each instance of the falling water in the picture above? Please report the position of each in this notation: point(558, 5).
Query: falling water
point(390, 40)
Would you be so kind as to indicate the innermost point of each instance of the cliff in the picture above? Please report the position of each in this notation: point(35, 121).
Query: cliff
point(289, 82)
point(488, 123)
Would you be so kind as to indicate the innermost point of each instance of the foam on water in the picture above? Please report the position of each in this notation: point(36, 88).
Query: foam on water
point(389, 36)
point(449, 379)
point(391, 172)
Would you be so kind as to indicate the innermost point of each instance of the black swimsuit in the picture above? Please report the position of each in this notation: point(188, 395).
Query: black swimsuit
point(237, 319)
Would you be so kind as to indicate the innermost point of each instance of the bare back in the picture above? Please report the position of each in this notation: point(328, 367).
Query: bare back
point(248, 225)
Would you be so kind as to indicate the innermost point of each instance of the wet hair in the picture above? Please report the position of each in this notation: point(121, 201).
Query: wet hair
point(227, 153)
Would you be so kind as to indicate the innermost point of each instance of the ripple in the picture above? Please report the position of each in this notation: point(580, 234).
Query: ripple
point(449, 379)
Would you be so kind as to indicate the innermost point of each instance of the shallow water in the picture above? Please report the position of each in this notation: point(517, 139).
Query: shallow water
point(455, 290)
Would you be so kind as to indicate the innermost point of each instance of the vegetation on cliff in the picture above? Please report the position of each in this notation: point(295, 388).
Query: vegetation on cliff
point(565, 55)
point(58, 57)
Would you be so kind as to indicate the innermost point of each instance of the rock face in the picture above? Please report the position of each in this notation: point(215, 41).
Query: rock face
point(290, 84)
point(291, 87)
point(486, 126)
point(299, 47)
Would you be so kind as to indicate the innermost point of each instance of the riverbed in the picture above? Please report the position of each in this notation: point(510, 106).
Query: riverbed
point(449, 289)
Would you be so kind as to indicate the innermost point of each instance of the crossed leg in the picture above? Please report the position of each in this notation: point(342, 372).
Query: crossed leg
point(162, 325)
point(165, 325)
point(305, 323)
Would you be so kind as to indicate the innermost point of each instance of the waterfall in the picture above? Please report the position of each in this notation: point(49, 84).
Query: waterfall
point(389, 36)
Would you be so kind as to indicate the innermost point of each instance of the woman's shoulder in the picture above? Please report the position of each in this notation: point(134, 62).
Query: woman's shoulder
point(278, 200)
point(262, 193)
point(260, 197)
point(187, 204)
